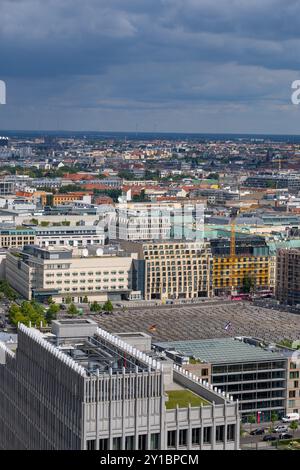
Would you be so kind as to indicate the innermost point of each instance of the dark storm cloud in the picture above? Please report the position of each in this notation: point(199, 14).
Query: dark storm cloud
point(146, 55)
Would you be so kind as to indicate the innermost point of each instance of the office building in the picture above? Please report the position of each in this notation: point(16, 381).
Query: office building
point(173, 269)
point(81, 388)
point(84, 235)
point(253, 374)
point(62, 273)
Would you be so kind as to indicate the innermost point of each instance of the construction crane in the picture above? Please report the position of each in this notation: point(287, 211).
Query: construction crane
point(233, 256)
point(234, 214)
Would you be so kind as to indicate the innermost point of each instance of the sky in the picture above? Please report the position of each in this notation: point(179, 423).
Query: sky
point(150, 65)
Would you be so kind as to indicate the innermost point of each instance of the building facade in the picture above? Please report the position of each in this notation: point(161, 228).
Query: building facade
point(242, 367)
point(39, 273)
point(17, 238)
point(288, 276)
point(70, 235)
point(81, 388)
point(247, 271)
point(174, 269)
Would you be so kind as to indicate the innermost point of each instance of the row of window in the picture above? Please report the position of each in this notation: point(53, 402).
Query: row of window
point(83, 273)
point(175, 439)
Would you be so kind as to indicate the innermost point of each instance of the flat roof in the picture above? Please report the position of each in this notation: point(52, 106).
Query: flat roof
point(221, 350)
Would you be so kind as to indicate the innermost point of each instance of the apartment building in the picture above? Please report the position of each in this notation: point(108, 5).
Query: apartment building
point(288, 276)
point(173, 269)
point(16, 238)
point(84, 235)
point(81, 388)
point(244, 367)
point(248, 270)
point(99, 274)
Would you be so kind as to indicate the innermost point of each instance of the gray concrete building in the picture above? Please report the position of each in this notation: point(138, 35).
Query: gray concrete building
point(79, 387)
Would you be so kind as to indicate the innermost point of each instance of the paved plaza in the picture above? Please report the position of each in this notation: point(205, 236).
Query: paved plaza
point(207, 320)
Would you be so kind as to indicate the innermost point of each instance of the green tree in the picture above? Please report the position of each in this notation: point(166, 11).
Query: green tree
point(50, 300)
point(73, 310)
point(95, 307)
point(294, 426)
point(68, 299)
point(52, 312)
point(108, 306)
point(251, 420)
point(248, 284)
point(85, 300)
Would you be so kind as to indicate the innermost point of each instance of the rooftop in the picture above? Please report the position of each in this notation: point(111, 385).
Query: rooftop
point(183, 398)
point(225, 350)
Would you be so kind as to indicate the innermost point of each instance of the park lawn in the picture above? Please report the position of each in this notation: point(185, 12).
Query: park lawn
point(182, 398)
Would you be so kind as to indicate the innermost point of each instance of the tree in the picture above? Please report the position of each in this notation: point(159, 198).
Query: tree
point(52, 312)
point(73, 310)
point(274, 418)
point(294, 426)
point(68, 299)
point(251, 420)
point(248, 284)
point(50, 300)
point(85, 300)
point(95, 307)
point(108, 306)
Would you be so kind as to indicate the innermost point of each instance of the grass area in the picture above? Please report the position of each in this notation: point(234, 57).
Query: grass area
point(288, 444)
point(194, 361)
point(182, 398)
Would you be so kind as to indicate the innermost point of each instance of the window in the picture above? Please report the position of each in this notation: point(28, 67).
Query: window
point(171, 438)
point(207, 435)
point(219, 433)
point(292, 394)
point(91, 445)
point(117, 443)
point(154, 443)
point(230, 432)
point(183, 437)
point(142, 442)
point(129, 442)
point(196, 436)
point(103, 444)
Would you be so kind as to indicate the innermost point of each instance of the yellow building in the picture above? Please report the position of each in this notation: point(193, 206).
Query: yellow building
point(247, 271)
point(14, 238)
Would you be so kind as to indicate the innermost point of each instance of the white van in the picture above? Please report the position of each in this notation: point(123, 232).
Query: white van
point(291, 417)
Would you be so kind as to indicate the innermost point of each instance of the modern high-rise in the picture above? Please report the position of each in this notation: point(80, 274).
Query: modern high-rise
point(80, 387)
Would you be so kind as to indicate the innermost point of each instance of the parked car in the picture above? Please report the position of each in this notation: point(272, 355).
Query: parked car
point(269, 437)
point(291, 417)
point(257, 432)
point(281, 428)
point(285, 435)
